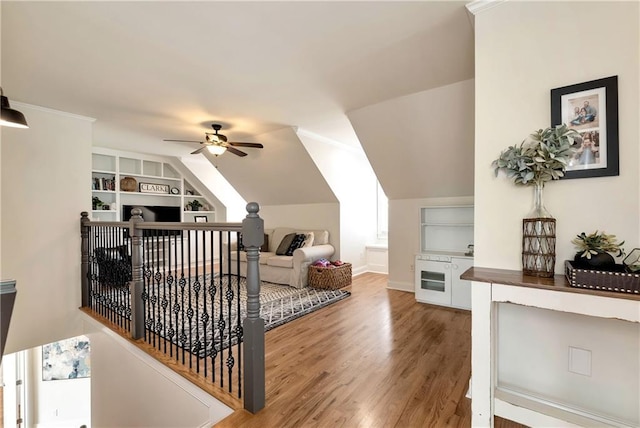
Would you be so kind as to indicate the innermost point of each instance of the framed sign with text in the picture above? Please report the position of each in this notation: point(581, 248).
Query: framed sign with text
point(154, 188)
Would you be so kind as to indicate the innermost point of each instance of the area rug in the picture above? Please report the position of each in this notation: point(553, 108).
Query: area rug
point(205, 327)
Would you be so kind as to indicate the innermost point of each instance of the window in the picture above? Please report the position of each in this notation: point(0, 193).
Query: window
point(383, 213)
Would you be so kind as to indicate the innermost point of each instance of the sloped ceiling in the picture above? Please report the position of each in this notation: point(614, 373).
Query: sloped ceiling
point(154, 70)
point(282, 173)
point(421, 145)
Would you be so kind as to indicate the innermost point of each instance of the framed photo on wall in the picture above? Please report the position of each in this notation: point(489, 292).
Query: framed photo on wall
point(590, 108)
point(200, 218)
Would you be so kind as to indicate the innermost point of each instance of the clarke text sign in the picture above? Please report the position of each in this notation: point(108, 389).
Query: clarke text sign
point(154, 188)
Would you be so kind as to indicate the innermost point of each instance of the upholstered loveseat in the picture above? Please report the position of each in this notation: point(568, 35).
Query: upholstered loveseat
point(285, 269)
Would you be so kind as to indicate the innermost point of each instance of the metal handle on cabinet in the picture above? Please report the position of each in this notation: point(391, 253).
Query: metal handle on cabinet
point(454, 266)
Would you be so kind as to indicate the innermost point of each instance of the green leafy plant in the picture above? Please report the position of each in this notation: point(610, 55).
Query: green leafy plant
point(96, 202)
point(195, 205)
point(540, 158)
point(596, 243)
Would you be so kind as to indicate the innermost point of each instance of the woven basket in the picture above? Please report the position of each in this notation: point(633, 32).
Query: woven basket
point(128, 184)
point(330, 278)
point(619, 280)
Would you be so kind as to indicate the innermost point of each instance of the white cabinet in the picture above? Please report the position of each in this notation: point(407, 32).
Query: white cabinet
point(438, 280)
point(460, 288)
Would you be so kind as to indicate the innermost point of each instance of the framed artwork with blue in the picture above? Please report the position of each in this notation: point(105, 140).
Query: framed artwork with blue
point(67, 359)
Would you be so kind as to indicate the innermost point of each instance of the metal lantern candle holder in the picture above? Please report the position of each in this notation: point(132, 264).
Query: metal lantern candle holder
point(539, 246)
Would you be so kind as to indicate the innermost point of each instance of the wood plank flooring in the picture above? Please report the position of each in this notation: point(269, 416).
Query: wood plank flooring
point(375, 359)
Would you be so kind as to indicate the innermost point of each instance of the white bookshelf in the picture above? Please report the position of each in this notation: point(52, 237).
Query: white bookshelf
point(109, 168)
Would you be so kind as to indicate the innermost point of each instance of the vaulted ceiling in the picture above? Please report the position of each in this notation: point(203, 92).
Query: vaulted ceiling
point(149, 71)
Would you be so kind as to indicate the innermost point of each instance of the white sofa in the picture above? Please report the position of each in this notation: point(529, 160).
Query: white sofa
point(290, 270)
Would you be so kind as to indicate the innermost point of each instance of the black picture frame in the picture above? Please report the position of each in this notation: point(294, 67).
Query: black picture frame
point(597, 151)
point(200, 218)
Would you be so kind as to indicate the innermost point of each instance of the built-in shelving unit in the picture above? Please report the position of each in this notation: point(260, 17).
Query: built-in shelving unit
point(446, 238)
point(167, 187)
point(446, 228)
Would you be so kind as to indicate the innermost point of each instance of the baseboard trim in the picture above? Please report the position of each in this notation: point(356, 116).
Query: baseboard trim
point(401, 286)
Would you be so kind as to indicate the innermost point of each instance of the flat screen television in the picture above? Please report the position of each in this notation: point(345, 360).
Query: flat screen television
point(154, 213)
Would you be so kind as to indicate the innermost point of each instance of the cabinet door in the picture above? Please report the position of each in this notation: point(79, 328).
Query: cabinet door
point(460, 289)
point(433, 282)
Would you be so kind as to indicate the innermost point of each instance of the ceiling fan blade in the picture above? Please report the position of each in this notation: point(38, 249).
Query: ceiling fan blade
point(200, 150)
point(184, 141)
point(239, 144)
point(235, 151)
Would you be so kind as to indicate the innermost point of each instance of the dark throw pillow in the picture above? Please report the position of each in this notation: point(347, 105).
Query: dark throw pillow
point(265, 244)
point(285, 244)
point(295, 244)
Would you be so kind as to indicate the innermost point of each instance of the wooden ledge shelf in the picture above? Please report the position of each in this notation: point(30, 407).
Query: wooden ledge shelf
point(519, 279)
point(491, 288)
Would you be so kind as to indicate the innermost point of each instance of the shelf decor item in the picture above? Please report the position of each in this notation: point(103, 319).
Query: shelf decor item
point(128, 184)
point(632, 261)
point(540, 158)
point(613, 279)
point(594, 248)
point(96, 203)
point(194, 205)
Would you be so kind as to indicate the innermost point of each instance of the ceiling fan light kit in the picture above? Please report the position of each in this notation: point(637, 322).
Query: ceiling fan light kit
point(216, 150)
point(10, 117)
point(217, 143)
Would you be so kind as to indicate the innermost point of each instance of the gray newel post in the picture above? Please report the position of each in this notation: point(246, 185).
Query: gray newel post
point(84, 261)
point(253, 325)
point(136, 286)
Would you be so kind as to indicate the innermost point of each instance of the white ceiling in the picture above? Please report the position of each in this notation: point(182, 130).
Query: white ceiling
point(153, 70)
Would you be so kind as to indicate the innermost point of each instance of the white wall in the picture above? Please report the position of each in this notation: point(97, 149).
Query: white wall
point(58, 403)
point(209, 176)
point(514, 73)
point(421, 145)
point(309, 216)
point(404, 236)
point(352, 180)
point(131, 389)
point(46, 171)
point(517, 64)
point(613, 386)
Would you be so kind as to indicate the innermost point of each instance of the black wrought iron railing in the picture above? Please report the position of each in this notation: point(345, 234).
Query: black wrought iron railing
point(171, 285)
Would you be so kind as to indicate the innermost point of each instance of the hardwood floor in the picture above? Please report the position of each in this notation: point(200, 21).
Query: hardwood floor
point(375, 359)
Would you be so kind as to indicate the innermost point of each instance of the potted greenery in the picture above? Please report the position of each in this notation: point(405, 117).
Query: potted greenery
point(540, 158)
point(96, 203)
point(194, 205)
point(594, 249)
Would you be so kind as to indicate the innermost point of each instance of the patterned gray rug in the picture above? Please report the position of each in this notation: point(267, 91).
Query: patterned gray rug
point(203, 312)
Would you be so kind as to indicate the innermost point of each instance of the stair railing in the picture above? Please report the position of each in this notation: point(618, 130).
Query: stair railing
point(175, 286)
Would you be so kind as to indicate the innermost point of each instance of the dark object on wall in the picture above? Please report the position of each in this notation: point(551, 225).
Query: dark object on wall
point(10, 117)
point(591, 108)
point(7, 299)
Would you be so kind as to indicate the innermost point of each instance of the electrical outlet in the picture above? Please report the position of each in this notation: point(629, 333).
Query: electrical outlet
point(580, 361)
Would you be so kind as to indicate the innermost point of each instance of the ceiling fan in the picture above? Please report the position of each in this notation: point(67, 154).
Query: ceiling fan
point(217, 143)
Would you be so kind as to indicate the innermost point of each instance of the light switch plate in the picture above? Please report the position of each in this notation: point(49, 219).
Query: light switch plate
point(580, 361)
